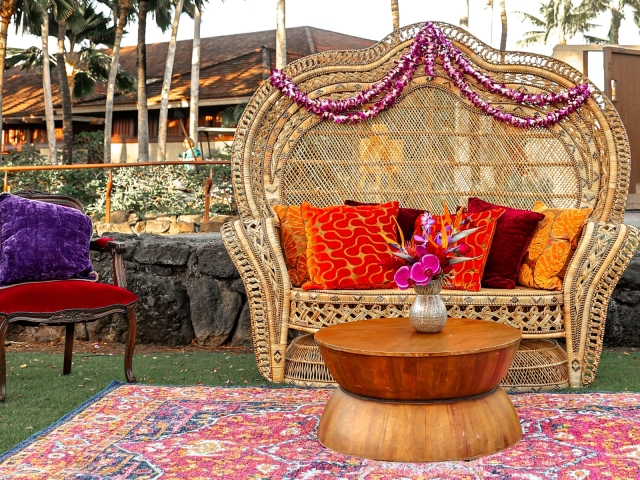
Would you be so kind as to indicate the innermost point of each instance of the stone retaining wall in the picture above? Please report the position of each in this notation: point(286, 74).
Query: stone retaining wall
point(623, 319)
point(190, 291)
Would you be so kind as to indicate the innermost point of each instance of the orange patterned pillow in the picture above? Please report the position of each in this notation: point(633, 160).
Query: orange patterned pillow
point(552, 246)
point(468, 275)
point(294, 243)
point(346, 248)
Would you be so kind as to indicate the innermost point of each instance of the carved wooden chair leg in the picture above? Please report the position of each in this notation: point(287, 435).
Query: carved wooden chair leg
point(68, 348)
point(4, 322)
point(131, 343)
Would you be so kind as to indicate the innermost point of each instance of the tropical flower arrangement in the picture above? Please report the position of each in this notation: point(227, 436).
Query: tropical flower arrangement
point(431, 43)
point(439, 246)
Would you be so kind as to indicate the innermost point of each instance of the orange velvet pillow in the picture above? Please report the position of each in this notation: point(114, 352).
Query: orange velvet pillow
point(552, 246)
point(294, 243)
point(346, 249)
point(468, 275)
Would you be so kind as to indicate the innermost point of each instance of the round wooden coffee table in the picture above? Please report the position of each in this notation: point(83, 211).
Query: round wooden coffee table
point(413, 397)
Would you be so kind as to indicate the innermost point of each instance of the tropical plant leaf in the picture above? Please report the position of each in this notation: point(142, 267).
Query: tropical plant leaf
point(454, 260)
point(404, 256)
point(464, 233)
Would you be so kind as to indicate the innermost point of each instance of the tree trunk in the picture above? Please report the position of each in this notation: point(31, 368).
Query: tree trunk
point(166, 86)
point(464, 20)
point(195, 76)
point(281, 36)
point(65, 96)
point(46, 85)
point(6, 12)
point(111, 84)
point(395, 15)
point(143, 110)
point(4, 27)
point(503, 20)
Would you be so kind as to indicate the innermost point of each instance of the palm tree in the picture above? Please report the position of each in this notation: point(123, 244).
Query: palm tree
point(122, 8)
point(617, 10)
point(464, 20)
point(166, 85)
point(395, 14)
point(560, 19)
point(162, 14)
point(46, 89)
point(7, 10)
point(65, 94)
point(83, 68)
point(281, 36)
point(503, 21)
point(195, 74)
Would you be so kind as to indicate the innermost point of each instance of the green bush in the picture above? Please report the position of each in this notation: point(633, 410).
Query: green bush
point(170, 189)
point(165, 189)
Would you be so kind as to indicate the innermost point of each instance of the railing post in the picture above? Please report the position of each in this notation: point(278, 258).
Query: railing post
point(107, 216)
point(207, 199)
point(6, 181)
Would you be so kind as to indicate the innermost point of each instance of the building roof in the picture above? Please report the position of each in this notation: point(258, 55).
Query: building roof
point(232, 67)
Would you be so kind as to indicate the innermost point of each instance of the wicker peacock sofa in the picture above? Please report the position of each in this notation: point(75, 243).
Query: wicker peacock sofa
point(283, 154)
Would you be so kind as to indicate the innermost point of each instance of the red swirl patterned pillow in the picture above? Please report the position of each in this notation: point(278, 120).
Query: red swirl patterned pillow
point(294, 243)
point(468, 275)
point(346, 249)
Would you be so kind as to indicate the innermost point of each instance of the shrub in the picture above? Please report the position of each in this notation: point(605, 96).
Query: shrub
point(165, 189)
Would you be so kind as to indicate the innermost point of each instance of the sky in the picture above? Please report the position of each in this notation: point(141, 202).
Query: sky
point(362, 18)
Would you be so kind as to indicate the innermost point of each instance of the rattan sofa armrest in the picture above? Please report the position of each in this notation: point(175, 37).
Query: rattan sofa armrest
point(254, 247)
point(603, 253)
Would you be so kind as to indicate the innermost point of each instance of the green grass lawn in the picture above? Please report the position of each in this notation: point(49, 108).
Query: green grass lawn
point(38, 394)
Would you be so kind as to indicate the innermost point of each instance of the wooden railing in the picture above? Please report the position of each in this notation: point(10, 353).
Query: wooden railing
point(81, 166)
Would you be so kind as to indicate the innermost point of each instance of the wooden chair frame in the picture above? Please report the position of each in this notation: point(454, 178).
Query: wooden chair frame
point(68, 318)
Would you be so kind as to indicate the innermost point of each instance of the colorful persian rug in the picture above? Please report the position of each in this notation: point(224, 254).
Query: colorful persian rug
point(155, 432)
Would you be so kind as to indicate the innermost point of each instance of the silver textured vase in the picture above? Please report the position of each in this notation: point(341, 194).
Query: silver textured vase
point(428, 313)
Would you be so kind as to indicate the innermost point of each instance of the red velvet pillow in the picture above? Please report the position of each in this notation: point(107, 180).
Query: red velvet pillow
point(406, 217)
point(514, 232)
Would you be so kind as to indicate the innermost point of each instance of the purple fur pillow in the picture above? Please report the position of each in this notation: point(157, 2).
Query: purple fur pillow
point(41, 241)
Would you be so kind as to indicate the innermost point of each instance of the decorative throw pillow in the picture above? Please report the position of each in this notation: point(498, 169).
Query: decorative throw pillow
point(468, 275)
point(552, 247)
point(406, 217)
point(346, 247)
point(41, 241)
point(514, 231)
point(294, 243)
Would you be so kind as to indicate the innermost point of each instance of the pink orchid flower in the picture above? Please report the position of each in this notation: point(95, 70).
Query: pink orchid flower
point(420, 273)
point(423, 271)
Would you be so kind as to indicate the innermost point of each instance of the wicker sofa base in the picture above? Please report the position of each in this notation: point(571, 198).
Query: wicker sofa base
point(539, 365)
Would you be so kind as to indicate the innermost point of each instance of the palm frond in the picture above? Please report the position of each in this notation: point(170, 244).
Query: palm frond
point(535, 21)
point(28, 58)
point(84, 84)
point(231, 115)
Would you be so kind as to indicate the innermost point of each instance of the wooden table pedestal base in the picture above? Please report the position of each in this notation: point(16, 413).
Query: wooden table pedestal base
point(418, 432)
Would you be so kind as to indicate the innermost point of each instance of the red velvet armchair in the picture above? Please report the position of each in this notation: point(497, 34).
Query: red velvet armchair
point(67, 302)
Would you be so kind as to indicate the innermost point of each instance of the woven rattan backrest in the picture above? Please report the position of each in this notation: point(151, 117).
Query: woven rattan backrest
point(433, 145)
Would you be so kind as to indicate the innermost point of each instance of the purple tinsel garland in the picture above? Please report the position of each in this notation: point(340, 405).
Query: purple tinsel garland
point(428, 44)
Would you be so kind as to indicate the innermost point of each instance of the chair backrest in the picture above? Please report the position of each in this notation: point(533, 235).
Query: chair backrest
point(51, 198)
point(432, 145)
